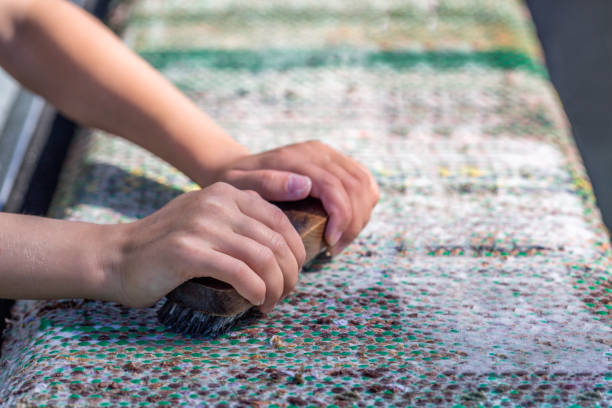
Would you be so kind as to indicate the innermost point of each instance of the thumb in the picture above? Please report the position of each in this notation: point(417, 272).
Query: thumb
point(272, 185)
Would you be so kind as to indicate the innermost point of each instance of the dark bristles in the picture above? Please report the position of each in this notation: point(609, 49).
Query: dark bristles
point(184, 320)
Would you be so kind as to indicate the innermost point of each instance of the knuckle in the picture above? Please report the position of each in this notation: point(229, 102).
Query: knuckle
point(210, 208)
point(198, 198)
point(214, 188)
point(220, 187)
point(284, 153)
point(265, 257)
point(202, 226)
point(343, 210)
point(276, 242)
point(202, 197)
point(278, 217)
point(238, 272)
point(331, 183)
point(363, 175)
point(354, 184)
point(317, 144)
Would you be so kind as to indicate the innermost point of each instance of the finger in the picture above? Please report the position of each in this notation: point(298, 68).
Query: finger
point(360, 204)
point(276, 242)
point(271, 184)
point(237, 273)
point(373, 184)
point(366, 189)
point(260, 259)
point(328, 188)
point(275, 219)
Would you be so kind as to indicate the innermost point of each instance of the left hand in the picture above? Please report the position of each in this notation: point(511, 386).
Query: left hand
point(346, 188)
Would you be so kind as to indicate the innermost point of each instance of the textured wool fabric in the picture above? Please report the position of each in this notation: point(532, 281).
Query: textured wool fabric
point(483, 277)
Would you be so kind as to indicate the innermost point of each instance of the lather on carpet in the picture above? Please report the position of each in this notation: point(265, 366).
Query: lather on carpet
point(482, 279)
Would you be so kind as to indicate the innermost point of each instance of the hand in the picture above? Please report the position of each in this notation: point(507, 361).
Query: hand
point(346, 188)
point(220, 232)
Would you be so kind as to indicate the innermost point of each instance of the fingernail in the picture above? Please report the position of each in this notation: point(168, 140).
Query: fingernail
point(335, 237)
point(298, 185)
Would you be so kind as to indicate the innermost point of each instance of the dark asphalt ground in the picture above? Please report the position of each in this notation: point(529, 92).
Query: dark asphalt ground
point(577, 41)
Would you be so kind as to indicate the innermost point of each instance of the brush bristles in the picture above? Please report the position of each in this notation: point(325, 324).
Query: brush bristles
point(185, 320)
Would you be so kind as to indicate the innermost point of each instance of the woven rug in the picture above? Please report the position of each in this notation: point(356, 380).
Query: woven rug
point(483, 278)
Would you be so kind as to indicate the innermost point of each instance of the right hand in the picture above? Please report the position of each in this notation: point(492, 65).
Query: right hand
point(220, 232)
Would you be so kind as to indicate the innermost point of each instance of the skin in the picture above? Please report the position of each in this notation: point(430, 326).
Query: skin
point(227, 230)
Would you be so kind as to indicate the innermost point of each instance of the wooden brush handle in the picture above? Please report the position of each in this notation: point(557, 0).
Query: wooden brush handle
point(214, 297)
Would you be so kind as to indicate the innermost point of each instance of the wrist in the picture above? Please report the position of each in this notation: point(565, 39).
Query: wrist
point(211, 164)
point(111, 246)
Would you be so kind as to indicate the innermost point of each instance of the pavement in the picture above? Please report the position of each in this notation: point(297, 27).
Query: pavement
point(577, 41)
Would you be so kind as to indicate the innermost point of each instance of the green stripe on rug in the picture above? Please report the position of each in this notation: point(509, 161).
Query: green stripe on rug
point(279, 60)
point(250, 13)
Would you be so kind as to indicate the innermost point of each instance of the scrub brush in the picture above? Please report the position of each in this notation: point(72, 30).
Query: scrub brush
point(207, 307)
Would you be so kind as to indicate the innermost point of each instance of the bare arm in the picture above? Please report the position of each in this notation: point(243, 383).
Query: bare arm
point(39, 258)
point(62, 53)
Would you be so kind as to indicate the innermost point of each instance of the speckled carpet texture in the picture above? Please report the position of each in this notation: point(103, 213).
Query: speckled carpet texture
point(483, 278)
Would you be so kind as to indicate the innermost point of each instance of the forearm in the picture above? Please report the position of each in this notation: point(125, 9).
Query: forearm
point(76, 63)
point(43, 258)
